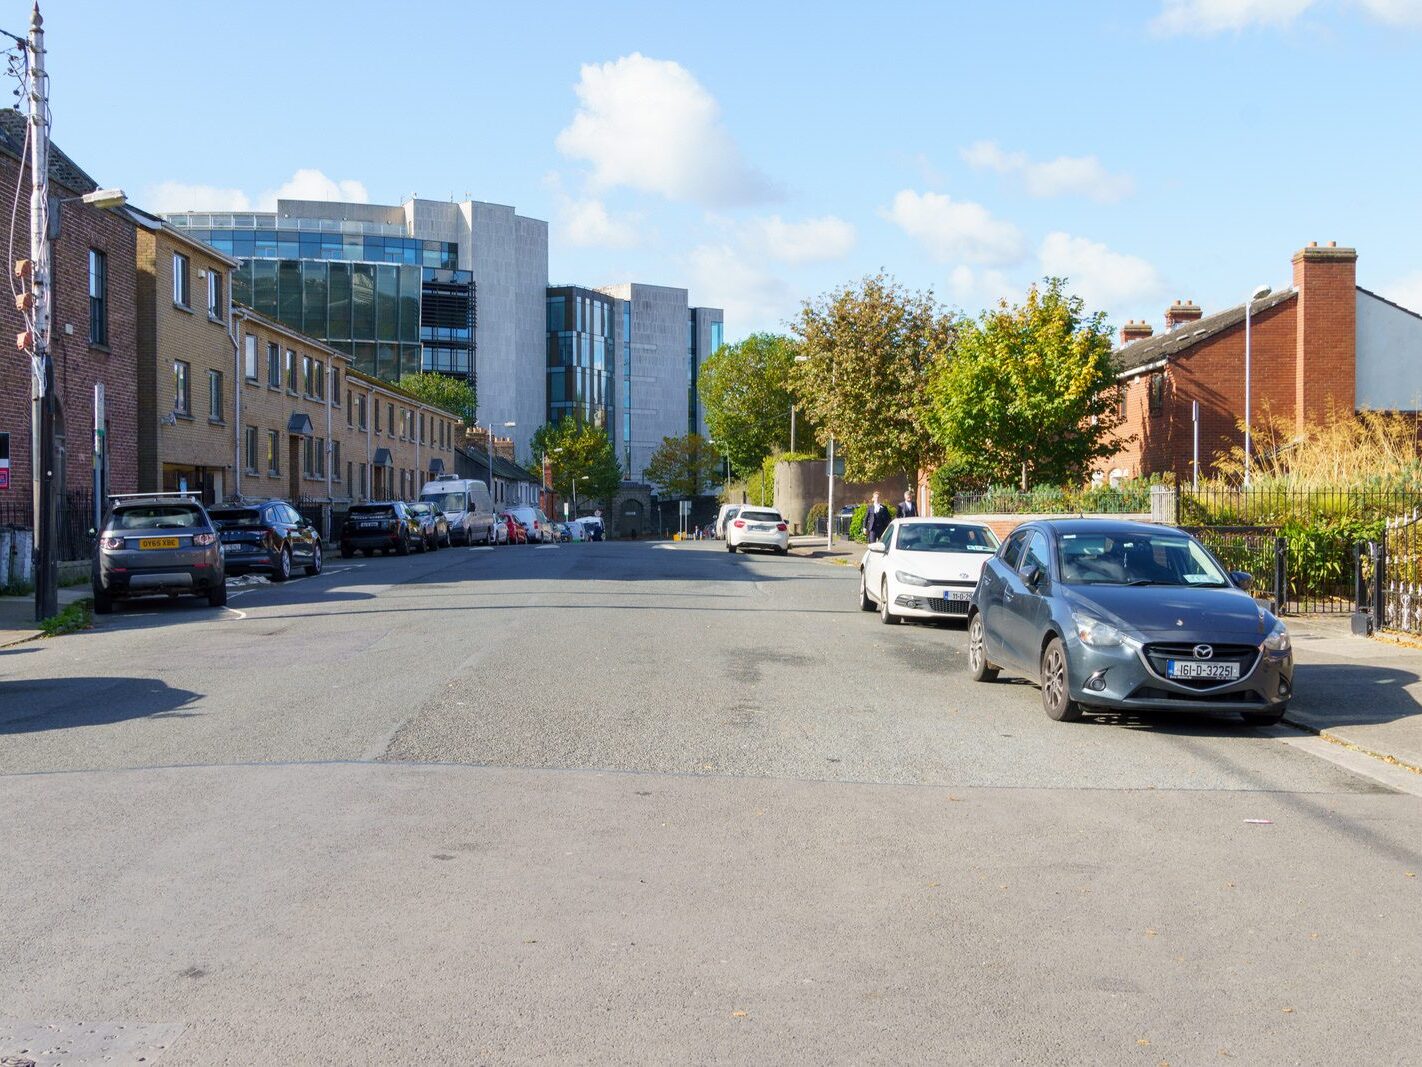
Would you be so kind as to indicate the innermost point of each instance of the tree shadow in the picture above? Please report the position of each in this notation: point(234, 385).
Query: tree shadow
point(37, 705)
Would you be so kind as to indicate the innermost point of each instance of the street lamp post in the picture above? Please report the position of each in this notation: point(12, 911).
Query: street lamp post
point(1259, 294)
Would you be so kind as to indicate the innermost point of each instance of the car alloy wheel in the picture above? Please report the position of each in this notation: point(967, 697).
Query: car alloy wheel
point(282, 571)
point(1056, 684)
point(885, 615)
point(978, 665)
point(314, 567)
point(866, 602)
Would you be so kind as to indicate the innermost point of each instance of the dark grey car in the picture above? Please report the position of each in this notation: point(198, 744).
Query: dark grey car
point(1127, 616)
point(158, 543)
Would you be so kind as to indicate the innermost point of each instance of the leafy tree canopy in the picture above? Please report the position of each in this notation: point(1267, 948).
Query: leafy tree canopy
point(684, 466)
point(579, 454)
point(1030, 395)
point(745, 390)
point(442, 390)
point(870, 350)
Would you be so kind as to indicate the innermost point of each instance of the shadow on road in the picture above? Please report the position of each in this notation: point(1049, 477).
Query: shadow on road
point(36, 705)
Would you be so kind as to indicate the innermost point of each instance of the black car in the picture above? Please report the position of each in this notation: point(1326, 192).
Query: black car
point(434, 526)
point(380, 526)
point(268, 536)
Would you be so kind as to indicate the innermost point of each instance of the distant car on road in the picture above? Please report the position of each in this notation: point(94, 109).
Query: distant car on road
point(1127, 616)
point(924, 568)
point(534, 522)
point(723, 517)
point(159, 543)
point(516, 533)
point(434, 527)
point(380, 526)
point(268, 536)
point(758, 528)
point(593, 527)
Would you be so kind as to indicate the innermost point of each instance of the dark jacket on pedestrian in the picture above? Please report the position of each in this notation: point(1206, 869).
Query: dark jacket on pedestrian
point(876, 521)
point(906, 509)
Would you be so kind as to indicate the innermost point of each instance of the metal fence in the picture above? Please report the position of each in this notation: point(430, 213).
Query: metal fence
point(1396, 562)
point(76, 519)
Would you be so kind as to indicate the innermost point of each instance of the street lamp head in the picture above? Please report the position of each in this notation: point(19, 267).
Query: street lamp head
point(510, 425)
point(1260, 293)
point(105, 198)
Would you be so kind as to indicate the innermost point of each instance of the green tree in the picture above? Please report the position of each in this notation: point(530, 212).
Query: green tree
point(1030, 394)
point(870, 349)
point(684, 466)
point(442, 390)
point(578, 454)
point(745, 391)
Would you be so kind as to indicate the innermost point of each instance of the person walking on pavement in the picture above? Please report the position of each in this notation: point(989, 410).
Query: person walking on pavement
point(906, 508)
point(876, 519)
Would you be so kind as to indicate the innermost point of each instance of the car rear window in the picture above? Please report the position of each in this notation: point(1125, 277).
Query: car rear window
point(761, 516)
point(372, 511)
point(156, 517)
point(237, 517)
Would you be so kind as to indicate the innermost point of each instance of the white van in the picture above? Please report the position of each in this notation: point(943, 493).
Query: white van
point(467, 505)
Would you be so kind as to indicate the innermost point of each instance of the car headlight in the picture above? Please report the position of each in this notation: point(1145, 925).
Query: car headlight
point(1098, 634)
point(911, 579)
point(1278, 639)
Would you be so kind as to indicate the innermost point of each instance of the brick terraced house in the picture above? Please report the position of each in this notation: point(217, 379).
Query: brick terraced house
point(1319, 346)
point(93, 337)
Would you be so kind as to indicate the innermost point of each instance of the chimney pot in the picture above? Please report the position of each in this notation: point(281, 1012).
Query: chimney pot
point(1182, 311)
point(1135, 331)
point(1332, 244)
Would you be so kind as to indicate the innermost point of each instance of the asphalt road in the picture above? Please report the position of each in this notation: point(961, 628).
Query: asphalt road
point(630, 803)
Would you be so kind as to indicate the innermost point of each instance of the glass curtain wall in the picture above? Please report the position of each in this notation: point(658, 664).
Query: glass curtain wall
point(580, 340)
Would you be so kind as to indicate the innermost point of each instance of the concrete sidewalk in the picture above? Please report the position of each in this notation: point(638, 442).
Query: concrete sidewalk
point(844, 550)
point(17, 614)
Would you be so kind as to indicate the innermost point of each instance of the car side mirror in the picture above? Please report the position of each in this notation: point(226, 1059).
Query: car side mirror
point(1243, 579)
point(1032, 576)
point(878, 546)
point(93, 532)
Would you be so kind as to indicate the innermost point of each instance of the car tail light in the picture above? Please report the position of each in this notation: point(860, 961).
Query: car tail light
point(113, 544)
point(204, 539)
point(781, 526)
point(739, 525)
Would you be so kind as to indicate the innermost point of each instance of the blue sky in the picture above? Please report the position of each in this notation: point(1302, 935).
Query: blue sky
point(761, 154)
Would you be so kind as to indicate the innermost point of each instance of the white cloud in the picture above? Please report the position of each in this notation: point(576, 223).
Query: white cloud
point(956, 229)
point(1406, 291)
point(1217, 16)
point(1103, 278)
point(752, 297)
point(809, 241)
point(973, 289)
point(648, 124)
point(305, 184)
point(1063, 176)
point(1395, 12)
point(587, 223)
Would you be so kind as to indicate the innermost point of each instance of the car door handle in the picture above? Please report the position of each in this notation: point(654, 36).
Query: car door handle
point(1007, 595)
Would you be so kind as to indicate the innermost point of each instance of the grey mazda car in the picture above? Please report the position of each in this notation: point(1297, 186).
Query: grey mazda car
point(1123, 616)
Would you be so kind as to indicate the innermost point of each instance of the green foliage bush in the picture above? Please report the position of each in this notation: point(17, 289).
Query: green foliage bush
point(1131, 497)
point(814, 515)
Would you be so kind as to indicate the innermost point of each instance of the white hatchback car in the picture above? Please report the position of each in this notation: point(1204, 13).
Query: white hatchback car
point(758, 528)
point(924, 568)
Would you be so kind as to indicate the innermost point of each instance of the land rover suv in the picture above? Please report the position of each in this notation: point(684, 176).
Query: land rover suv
point(153, 544)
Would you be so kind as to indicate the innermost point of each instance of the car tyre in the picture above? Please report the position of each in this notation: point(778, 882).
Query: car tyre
point(314, 567)
point(730, 547)
point(403, 548)
point(866, 602)
point(1272, 717)
point(282, 571)
point(103, 603)
point(1056, 684)
point(217, 596)
point(886, 616)
point(978, 666)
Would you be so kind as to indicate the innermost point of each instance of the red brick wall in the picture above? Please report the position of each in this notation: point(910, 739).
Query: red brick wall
point(77, 364)
point(1325, 375)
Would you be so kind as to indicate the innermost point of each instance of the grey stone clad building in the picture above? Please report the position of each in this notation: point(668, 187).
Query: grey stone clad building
point(457, 288)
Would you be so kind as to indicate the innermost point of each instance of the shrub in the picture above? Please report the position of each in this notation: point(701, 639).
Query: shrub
point(814, 515)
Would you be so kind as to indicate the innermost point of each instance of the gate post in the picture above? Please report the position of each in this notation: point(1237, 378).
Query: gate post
point(1380, 582)
point(1361, 622)
point(1281, 577)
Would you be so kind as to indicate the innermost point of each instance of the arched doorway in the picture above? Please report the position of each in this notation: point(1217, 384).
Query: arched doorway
point(631, 519)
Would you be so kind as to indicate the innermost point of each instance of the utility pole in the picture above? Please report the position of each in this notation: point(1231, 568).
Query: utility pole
point(44, 402)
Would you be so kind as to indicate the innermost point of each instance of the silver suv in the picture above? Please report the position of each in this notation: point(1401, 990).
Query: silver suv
point(157, 543)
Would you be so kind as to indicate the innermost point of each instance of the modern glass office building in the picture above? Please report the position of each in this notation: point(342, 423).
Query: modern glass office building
point(581, 352)
point(396, 304)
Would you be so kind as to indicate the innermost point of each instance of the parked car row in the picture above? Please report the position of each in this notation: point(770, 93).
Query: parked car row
point(1102, 615)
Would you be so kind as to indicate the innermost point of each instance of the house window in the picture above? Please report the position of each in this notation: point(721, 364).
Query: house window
point(308, 384)
point(1157, 392)
point(214, 294)
point(273, 452)
point(291, 381)
point(390, 418)
point(422, 427)
point(320, 457)
point(98, 297)
point(307, 467)
point(249, 358)
point(350, 473)
point(350, 409)
point(182, 388)
point(274, 365)
point(318, 379)
point(336, 387)
point(360, 410)
point(1122, 391)
point(214, 395)
point(336, 460)
point(364, 484)
point(182, 282)
point(250, 448)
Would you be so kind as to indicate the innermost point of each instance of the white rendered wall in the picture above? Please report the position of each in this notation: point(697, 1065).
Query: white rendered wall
point(1388, 370)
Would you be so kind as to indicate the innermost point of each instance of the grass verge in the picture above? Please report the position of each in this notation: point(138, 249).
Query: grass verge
point(77, 616)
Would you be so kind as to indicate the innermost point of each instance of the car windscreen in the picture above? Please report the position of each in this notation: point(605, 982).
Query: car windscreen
point(760, 516)
point(447, 502)
point(946, 537)
point(1136, 558)
point(237, 517)
point(372, 511)
point(156, 517)
point(420, 509)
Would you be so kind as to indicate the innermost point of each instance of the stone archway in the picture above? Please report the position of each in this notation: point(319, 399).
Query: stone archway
point(631, 519)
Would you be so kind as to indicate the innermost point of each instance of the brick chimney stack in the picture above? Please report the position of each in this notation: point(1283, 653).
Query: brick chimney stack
point(1135, 331)
point(1325, 366)
point(1182, 312)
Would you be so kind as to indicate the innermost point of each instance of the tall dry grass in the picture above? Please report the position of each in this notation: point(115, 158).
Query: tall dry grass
point(1370, 449)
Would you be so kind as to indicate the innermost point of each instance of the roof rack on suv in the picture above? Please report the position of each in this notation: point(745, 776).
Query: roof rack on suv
point(149, 496)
